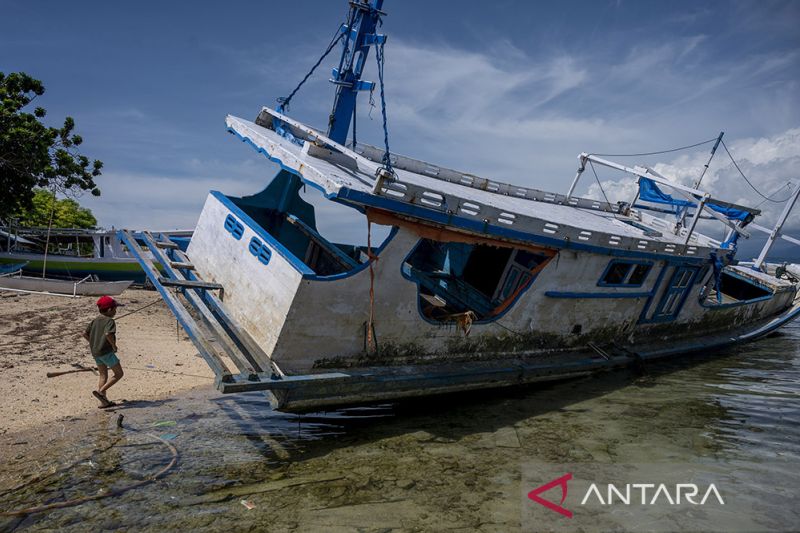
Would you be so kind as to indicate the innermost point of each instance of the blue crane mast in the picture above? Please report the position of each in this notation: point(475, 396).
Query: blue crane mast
point(359, 36)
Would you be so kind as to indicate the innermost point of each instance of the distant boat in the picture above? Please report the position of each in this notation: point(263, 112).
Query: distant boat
point(11, 267)
point(109, 259)
point(84, 287)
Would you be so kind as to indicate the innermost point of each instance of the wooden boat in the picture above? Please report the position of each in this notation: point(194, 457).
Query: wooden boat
point(479, 284)
point(83, 287)
point(11, 267)
point(107, 258)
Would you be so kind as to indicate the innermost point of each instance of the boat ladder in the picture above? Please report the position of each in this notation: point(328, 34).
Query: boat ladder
point(198, 306)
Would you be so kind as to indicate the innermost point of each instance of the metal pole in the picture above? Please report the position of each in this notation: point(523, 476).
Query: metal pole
point(702, 175)
point(696, 217)
point(577, 177)
point(776, 231)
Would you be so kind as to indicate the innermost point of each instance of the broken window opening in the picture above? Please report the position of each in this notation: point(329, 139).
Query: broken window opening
point(734, 289)
point(455, 278)
point(624, 273)
point(292, 221)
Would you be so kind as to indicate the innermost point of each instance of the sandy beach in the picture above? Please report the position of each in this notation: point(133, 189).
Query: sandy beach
point(40, 334)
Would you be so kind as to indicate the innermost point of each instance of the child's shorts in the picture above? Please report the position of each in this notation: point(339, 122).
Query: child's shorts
point(110, 359)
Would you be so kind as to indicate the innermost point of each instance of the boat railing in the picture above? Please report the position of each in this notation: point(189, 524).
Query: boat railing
point(452, 205)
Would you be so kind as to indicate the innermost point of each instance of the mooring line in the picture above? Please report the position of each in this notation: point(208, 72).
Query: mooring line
point(115, 492)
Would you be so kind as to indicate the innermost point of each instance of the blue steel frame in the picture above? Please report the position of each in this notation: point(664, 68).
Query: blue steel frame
point(359, 36)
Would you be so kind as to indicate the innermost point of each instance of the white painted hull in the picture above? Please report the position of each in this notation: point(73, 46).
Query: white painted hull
point(312, 325)
point(65, 287)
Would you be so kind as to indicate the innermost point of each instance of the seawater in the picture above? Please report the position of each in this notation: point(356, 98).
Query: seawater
point(444, 463)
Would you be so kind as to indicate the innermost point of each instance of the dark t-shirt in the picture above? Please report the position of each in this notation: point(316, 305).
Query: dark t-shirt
point(97, 330)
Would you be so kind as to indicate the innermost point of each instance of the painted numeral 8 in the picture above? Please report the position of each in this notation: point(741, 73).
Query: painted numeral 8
point(234, 227)
point(260, 250)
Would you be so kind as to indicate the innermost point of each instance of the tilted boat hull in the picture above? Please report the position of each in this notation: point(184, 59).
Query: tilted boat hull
point(315, 327)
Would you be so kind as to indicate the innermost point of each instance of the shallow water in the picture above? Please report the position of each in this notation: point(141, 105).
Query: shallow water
point(452, 463)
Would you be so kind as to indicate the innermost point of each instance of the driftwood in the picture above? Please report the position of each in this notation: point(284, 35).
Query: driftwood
point(78, 368)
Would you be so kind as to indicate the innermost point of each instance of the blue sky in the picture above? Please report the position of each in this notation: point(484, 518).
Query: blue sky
point(509, 89)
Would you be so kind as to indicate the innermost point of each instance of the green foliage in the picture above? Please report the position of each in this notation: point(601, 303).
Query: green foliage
point(67, 213)
point(34, 155)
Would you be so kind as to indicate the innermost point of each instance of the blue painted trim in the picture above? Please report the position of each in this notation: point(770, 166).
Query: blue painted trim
point(477, 226)
point(738, 303)
point(347, 195)
point(611, 263)
point(261, 232)
point(360, 267)
point(610, 295)
point(653, 293)
point(285, 253)
point(657, 316)
point(484, 321)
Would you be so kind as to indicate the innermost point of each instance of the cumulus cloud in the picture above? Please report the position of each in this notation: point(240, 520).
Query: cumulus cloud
point(770, 163)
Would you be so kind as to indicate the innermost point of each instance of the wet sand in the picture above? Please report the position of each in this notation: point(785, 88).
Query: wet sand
point(40, 334)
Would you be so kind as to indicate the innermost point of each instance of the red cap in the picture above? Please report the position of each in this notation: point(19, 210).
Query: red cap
point(104, 303)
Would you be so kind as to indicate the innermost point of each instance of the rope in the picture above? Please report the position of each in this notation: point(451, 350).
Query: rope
point(597, 179)
point(386, 161)
point(787, 186)
point(371, 344)
point(766, 198)
point(284, 101)
point(115, 492)
point(662, 151)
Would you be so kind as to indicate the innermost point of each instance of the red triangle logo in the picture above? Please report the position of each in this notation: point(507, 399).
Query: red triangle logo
point(562, 482)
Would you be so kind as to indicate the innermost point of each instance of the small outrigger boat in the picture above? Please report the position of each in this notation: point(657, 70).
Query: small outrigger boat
point(479, 284)
point(13, 280)
point(78, 253)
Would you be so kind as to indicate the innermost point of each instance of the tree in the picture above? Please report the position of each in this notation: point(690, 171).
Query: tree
point(66, 213)
point(34, 155)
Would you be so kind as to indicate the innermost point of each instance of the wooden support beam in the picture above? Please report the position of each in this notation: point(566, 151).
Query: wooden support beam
point(188, 284)
point(181, 265)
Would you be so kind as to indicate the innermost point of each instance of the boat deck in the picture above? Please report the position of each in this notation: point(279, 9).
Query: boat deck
point(349, 177)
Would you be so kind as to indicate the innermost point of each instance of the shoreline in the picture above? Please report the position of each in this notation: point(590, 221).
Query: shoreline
point(40, 334)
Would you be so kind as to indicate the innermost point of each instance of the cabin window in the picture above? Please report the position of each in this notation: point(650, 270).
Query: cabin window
point(478, 281)
point(620, 273)
point(675, 293)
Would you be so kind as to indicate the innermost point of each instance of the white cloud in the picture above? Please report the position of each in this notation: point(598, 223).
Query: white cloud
point(770, 163)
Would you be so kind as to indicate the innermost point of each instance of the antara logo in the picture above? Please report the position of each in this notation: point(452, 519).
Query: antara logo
point(559, 482)
point(648, 494)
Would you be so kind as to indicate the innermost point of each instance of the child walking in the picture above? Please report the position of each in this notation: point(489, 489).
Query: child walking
point(102, 336)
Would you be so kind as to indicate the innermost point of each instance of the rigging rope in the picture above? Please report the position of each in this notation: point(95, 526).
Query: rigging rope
point(600, 185)
point(766, 198)
point(662, 151)
point(284, 101)
point(787, 186)
point(387, 160)
point(371, 342)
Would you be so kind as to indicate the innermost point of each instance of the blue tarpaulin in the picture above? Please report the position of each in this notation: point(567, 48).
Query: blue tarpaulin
point(649, 192)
